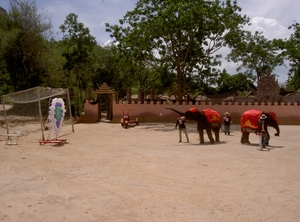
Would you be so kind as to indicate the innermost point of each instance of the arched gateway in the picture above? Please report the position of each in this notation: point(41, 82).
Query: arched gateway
point(104, 98)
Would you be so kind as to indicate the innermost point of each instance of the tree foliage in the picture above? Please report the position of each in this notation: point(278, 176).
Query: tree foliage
point(109, 68)
point(256, 54)
point(291, 52)
point(54, 61)
point(226, 82)
point(79, 45)
point(24, 31)
point(183, 36)
point(170, 46)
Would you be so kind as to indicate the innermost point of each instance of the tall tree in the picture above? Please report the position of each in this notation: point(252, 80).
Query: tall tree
point(79, 46)
point(182, 35)
point(54, 61)
point(5, 86)
point(24, 32)
point(108, 67)
point(239, 82)
point(291, 52)
point(256, 54)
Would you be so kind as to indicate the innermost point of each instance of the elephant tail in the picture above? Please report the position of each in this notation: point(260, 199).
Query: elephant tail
point(221, 127)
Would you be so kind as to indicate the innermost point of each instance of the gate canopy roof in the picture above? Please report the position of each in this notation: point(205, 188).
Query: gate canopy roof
point(104, 89)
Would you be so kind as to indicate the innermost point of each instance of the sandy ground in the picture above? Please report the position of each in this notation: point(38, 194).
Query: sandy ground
point(107, 173)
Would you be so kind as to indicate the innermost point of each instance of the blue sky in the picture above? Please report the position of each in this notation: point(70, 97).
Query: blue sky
point(272, 17)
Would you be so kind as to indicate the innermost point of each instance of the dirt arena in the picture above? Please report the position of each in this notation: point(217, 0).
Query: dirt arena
point(109, 174)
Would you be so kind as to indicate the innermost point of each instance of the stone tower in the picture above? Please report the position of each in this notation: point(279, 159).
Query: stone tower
point(268, 89)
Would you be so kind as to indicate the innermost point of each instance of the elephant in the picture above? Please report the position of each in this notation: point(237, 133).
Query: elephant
point(249, 125)
point(207, 119)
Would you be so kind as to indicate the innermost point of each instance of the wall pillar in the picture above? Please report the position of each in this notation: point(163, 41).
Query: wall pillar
point(88, 94)
point(140, 95)
point(129, 96)
point(152, 99)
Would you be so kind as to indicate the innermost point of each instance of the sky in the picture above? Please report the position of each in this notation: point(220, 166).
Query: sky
point(272, 17)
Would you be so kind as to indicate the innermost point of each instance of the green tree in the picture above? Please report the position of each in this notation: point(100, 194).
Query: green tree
point(24, 30)
point(4, 75)
point(113, 68)
point(256, 54)
point(79, 45)
point(238, 82)
point(183, 36)
point(121, 73)
point(54, 61)
point(291, 52)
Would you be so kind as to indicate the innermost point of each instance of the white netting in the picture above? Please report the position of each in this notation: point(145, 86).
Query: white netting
point(30, 107)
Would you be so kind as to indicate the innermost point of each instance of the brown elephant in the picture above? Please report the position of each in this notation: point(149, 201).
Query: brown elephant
point(207, 119)
point(249, 125)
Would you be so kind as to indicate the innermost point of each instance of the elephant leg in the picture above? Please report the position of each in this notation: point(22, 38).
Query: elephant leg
point(209, 134)
point(217, 134)
point(201, 137)
point(245, 138)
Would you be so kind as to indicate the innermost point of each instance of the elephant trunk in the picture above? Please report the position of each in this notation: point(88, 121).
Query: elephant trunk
point(94, 102)
point(176, 111)
point(277, 129)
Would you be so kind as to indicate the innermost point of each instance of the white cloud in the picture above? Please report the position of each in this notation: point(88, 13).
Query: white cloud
point(271, 28)
point(108, 43)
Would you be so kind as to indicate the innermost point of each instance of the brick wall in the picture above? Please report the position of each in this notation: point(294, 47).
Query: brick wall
point(287, 113)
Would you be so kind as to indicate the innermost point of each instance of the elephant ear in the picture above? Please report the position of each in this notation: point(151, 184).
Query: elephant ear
point(194, 110)
point(193, 114)
point(273, 115)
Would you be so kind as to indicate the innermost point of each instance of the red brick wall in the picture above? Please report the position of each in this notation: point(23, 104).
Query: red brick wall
point(288, 114)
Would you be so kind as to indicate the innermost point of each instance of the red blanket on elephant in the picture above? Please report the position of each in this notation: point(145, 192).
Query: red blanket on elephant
point(250, 118)
point(212, 115)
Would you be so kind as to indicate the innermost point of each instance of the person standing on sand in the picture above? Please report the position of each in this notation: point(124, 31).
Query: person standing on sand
point(182, 128)
point(263, 129)
point(227, 122)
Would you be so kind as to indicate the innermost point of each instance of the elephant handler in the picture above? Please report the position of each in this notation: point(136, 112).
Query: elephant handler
point(182, 128)
point(263, 129)
point(227, 122)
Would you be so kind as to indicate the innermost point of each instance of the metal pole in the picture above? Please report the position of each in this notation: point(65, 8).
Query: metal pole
point(69, 104)
point(4, 113)
point(40, 114)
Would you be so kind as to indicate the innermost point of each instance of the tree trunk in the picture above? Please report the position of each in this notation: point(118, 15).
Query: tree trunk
point(179, 85)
